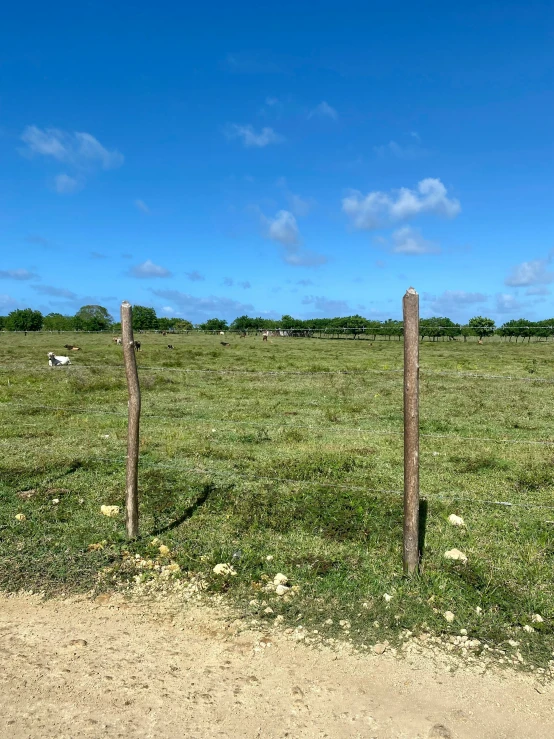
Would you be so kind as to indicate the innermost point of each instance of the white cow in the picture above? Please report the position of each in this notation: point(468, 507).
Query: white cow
point(54, 361)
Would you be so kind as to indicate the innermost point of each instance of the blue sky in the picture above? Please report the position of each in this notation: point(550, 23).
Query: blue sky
point(311, 159)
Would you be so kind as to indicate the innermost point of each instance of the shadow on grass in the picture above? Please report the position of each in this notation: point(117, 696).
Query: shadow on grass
point(422, 527)
point(188, 513)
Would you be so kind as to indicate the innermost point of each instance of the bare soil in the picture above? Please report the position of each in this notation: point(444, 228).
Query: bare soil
point(113, 668)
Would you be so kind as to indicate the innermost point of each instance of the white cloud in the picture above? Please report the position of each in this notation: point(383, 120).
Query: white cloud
point(245, 285)
point(300, 206)
point(408, 240)
point(79, 149)
point(379, 208)
point(252, 139)
point(324, 110)
point(168, 309)
point(283, 228)
point(65, 185)
point(507, 303)
point(149, 269)
point(17, 274)
point(141, 205)
point(195, 276)
point(325, 305)
point(534, 272)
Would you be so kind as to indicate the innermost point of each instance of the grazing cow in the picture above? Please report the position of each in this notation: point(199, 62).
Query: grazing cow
point(265, 335)
point(164, 333)
point(170, 346)
point(222, 333)
point(55, 361)
point(116, 339)
point(243, 335)
point(136, 345)
point(224, 343)
point(480, 341)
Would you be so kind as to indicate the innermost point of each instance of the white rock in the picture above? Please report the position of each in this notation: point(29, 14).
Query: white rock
point(55, 501)
point(455, 554)
point(269, 557)
point(387, 598)
point(268, 610)
point(109, 510)
point(20, 517)
point(449, 616)
point(478, 610)
point(456, 520)
point(380, 648)
point(513, 643)
point(329, 622)
point(536, 618)
point(281, 589)
point(528, 629)
point(223, 568)
point(463, 632)
point(280, 579)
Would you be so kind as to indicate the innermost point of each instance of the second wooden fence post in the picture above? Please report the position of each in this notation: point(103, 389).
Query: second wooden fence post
point(410, 306)
point(131, 487)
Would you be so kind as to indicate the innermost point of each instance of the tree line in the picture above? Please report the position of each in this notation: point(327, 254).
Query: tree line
point(97, 318)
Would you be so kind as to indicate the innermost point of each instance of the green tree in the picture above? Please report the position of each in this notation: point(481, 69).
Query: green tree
point(2, 322)
point(144, 319)
point(481, 326)
point(437, 327)
point(214, 324)
point(93, 318)
point(24, 320)
point(57, 322)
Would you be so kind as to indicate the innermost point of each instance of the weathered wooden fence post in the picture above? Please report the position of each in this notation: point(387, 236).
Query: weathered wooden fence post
point(131, 488)
point(410, 306)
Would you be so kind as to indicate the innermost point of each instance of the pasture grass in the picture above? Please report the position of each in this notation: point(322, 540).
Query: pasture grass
point(304, 466)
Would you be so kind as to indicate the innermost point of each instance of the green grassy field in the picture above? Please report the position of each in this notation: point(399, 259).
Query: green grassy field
point(304, 465)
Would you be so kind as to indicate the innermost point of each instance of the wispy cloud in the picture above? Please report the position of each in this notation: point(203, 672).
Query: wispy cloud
point(507, 303)
point(40, 240)
point(79, 150)
point(408, 240)
point(323, 110)
point(452, 301)
point(534, 272)
point(250, 138)
point(55, 292)
point(245, 285)
point(66, 185)
point(284, 229)
point(195, 276)
point(97, 255)
point(400, 151)
point(228, 282)
point(141, 205)
point(149, 269)
point(17, 274)
point(198, 309)
point(538, 290)
point(326, 305)
point(378, 208)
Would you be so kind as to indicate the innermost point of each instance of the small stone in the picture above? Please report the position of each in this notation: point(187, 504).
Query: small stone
point(268, 610)
point(109, 510)
point(449, 616)
point(20, 517)
point(387, 598)
point(269, 557)
point(163, 550)
point(478, 610)
point(279, 619)
point(463, 632)
point(380, 648)
point(456, 555)
point(528, 629)
point(536, 618)
point(281, 589)
point(253, 603)
point(455, 520)
point(513, 643)
point(224, 568)
point(329, 622)
point(55, 501)
point(439, 731)
point(78, 643)
point(280, 579)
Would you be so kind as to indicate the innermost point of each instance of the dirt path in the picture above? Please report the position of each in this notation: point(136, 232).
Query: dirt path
point(112, 669)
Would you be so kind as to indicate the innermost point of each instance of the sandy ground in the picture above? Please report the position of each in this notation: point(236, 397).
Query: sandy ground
point(110, 668)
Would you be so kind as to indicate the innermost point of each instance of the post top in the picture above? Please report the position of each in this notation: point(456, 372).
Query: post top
point(125, 304)
point(411, 291)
